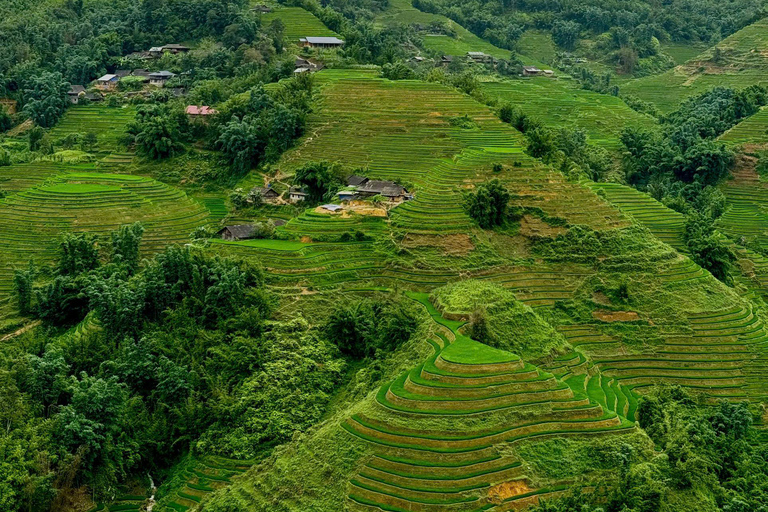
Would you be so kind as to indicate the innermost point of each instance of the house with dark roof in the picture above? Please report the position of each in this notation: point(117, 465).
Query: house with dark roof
point(75, 93)
point(267, 194)
point(356, 181)
point(263, 9)
point(122, 73)
point(480, 57)
point(388, 189)
point(321, 42)
point(531, 71)
point(237, 232)
point(175, 48)
point(94, 96)
point(446, 59)
point(159, 78)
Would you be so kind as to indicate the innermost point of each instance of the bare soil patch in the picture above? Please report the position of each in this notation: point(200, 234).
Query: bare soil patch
point(505, 490)
point(533, 226)
point(457, 244)
point(615, 316)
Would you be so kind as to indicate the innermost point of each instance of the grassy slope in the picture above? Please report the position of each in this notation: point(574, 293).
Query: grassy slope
point(562, 103)
point(744, 62)
point(401, 11)
point(298, 23)
point(689, 328)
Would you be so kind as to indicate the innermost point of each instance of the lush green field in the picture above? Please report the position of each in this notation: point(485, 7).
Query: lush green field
point(401, 11)
point(33, 220)
point(107, 123)
point(562, 103)
point(743, 61)
point(298, 23)
point(753, 130)
point(538, 45)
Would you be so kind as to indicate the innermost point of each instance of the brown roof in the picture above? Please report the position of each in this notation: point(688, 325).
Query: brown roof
point(385, 188)
point(203, 110)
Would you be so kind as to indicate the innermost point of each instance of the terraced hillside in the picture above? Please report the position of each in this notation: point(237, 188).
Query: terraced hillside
point(402, 11)
point(562, 103)
point(402, 130)
point(740, 60)
point(446, 465)
point(752, 131)
point(298, 23)
point(107, 123)
point(32, 220)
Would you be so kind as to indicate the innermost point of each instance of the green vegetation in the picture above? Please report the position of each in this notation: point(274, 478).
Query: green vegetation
point(406, 273)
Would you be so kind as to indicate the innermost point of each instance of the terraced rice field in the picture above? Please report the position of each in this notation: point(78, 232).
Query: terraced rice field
point(32, 220)
point(666, 224)
point(436, 430)
point(563, 104)
point(753, 130)
point(201, 477)
point(402, 11)
point(747, 200)
point(298, 23)
point(744, 62)
point(108, 123)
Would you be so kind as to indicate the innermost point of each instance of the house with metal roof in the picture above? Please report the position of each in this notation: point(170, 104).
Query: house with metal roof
point(321, 42)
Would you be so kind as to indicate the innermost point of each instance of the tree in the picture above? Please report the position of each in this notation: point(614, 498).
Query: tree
point(320, 179)
point(488, 206)
point(158, 137)
point(23, 281)
point(566, 34)
point(242, 143)
point(77, 254)
point(126, 242)
point(45, 98)
point(5, 120)
point(708, 249)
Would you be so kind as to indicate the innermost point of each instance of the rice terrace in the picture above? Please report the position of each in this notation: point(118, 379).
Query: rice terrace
point(383, 256)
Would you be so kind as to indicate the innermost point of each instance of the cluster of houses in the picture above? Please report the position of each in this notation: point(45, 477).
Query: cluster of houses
point(534, 71)
point(109, 82)
point(158, 51)
point(358, 187)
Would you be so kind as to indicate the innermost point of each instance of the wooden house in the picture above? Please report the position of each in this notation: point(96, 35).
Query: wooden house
point(237, 232)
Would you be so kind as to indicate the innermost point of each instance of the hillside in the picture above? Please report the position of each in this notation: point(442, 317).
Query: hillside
point(458, 258)
point(737, 61)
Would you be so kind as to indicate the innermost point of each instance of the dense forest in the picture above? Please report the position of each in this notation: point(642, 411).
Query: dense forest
point(406, 267)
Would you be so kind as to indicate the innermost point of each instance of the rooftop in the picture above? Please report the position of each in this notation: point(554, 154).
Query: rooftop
point(106, 78)
point(322, 40)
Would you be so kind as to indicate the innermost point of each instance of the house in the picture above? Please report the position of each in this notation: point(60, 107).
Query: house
point(297, 194)
point(417, 58)
point(446, 59)
point(122, 73)
point(549, 73)
point(200, 112)
point(332, 207)
point(479, 57)
point(156, 51)
point(267, 194)
point(388, 189)
point(356, 181)
point(75, 93)
point(237, 232)
point(94, 96)
point(347, 195)
point(263, 9)
point(107, 82)
point(175, 48)
point(321, 42)
point(160, 78)
point(531, 71)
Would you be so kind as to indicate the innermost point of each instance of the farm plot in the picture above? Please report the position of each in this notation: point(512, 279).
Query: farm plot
point(33, 220)
point(298, 23)
point(107, 123)
point(436, 428)
point(753, 130)
point(743, 61)
point(197, 478)
point(562, 104)
point(403, 12)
